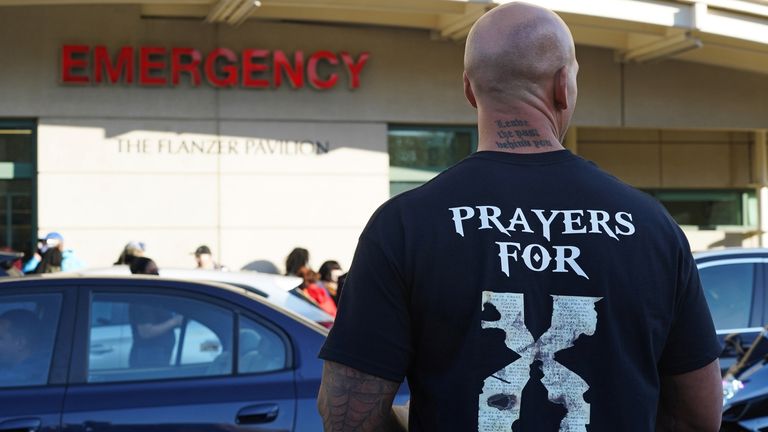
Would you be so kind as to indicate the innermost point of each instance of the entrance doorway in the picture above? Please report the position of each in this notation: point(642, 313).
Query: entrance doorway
point(18, 215)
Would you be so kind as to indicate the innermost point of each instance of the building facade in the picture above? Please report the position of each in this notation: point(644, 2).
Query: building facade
point(163, 122)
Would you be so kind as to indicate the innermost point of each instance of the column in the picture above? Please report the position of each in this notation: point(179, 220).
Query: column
point(760, 170)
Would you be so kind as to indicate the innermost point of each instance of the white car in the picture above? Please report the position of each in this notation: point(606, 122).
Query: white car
point(277, 289)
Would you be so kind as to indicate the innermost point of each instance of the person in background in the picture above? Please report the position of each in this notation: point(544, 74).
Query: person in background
point(297, 259)
point(131, 250)
point(152, 326)
point(329, 278)
point(143, 265)
point(51, 261)
point(68, 261)
point(297, 264)
point(10, 262)
point(205, 261)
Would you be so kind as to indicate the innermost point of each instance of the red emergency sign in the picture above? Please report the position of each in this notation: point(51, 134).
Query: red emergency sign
point(221, 67)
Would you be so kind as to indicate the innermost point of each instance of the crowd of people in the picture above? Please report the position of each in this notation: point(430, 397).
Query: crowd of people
point(322, 287)
point(52, 256)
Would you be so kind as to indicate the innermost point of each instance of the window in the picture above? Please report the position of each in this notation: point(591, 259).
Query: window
point(709, 209)
point(261, 349)
point(417, 154)
point(144, 337)
point(18, 228)
point(28, 325)
point(728, 290)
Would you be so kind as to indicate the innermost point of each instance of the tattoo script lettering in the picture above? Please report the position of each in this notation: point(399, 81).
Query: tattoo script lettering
point(517, 133)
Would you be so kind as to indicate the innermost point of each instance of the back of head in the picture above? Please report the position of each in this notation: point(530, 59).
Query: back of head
point(298, 258)
point(131, 250)
point(514, 51)
point(327, 268)
point(143, 265)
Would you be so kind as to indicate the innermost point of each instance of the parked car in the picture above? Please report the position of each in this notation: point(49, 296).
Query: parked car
point(745, 391)
point(734, 282)
point(232, 361)
point(277, 289)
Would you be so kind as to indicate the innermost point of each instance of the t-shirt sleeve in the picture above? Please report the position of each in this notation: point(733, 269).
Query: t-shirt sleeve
point(692, 342)
point(372, 328)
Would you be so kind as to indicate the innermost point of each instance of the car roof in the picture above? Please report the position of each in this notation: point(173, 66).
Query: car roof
point(73, 279)
point(735, 252)
point(274, 287)
point(263, 281)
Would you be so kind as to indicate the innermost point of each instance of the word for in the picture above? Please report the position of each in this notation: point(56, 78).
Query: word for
point(537, 258)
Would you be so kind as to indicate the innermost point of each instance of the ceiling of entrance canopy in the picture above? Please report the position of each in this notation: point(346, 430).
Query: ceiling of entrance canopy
point(728, 33)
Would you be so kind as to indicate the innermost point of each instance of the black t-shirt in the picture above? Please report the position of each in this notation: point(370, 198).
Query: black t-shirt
point(529, 289)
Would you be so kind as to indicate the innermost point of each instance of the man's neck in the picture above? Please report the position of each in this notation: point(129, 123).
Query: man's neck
point(518, 132)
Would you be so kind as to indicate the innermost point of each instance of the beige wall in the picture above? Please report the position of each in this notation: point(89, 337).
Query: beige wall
point(246, 206)
point(260, 207)
point(682, 159)
point(654, 158)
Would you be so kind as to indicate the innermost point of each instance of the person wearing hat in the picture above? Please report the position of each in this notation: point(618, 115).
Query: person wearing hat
point(52, 257)
point(205, 261)
point(132, 250)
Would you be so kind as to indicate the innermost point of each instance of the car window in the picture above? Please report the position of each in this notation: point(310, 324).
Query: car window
point(28, 325)
point(139, 337)
point(260, 349)
point(728, 289)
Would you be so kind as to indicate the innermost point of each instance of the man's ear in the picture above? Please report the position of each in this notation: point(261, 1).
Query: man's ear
point(468, 93)
point(561, 89)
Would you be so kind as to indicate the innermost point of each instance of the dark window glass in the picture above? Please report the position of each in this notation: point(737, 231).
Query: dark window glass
point(709, 208)
point(28, 325)
point(728, 289)
point(17, 172)
point(417, 154)
point(138, 337)
point(261, 349)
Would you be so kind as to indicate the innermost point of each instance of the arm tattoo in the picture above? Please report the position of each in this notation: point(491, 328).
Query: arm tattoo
point(351, 400)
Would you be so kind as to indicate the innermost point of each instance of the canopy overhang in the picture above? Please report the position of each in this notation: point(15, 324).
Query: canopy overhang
point(728, 33)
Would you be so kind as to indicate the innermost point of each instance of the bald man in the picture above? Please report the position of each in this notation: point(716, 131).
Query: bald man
point(523, 289)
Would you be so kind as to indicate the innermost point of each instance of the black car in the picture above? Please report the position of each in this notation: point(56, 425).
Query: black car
point(734, 282)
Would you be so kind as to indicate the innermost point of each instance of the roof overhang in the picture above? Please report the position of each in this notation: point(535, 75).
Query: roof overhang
point(729, 33)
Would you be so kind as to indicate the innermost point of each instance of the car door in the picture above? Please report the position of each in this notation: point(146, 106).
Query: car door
point(35, 341)
point(162, 360)
point(733, 289)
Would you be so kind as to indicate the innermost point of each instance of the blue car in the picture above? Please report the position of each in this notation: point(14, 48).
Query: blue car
point(103, 354)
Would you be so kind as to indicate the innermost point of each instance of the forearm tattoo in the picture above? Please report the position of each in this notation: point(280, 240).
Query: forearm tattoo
point(351, 400)
point(516, 133)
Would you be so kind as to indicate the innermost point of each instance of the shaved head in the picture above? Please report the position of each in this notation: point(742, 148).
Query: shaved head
point(514, 52)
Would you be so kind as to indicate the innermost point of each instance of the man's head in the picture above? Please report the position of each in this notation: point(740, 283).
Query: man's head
point(143, 265)
point(520, 57)
point(18, 336)
point(296, 261)
point(204, 257)
point(52, 240)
